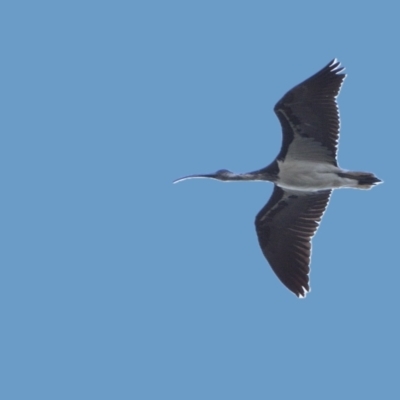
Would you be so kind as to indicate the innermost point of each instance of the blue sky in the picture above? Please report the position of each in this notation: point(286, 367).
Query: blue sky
point(117, 284)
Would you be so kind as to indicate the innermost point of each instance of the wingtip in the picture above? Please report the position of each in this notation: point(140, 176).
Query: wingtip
point(336, 66)
point(303, 294)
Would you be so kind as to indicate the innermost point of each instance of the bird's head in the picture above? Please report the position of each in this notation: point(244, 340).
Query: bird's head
point(223, 175)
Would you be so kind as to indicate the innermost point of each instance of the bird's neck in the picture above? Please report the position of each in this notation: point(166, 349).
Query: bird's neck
point(269, 173)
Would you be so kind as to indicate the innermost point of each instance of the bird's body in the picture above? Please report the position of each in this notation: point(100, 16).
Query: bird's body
point(304, 174)
point(311, 176)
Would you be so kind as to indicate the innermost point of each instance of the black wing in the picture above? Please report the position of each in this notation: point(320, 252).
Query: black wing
point(309, 116)
point(285, 227)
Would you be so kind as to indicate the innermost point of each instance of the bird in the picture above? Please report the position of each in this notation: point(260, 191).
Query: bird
point(304, 174)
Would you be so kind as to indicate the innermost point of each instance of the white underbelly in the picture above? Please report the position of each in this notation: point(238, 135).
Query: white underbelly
point(310, 176)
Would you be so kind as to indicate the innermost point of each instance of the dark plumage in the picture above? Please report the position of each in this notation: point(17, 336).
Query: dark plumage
point(309, 110)
point(284, 228)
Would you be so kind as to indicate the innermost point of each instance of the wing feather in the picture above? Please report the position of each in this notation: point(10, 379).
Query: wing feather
point(285, 227)
point(309, 116)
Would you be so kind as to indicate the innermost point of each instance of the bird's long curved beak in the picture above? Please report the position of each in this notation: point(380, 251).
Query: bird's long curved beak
point(209, 176)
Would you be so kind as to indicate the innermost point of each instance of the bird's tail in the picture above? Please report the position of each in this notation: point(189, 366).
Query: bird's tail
point(362, 180)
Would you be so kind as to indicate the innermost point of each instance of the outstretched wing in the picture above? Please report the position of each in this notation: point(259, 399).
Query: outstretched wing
point(285, 227)
point(309, 116)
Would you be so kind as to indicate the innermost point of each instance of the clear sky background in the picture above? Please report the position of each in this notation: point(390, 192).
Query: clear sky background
point(117, 284)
